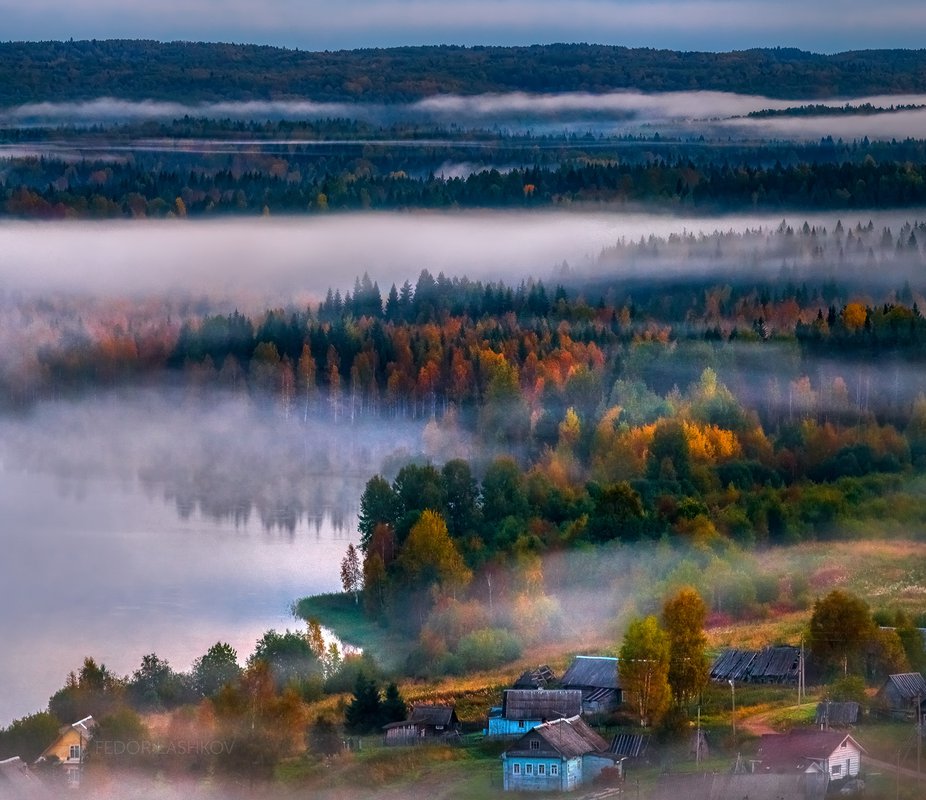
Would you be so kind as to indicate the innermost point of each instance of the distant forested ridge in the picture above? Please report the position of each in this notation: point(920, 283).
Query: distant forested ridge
point(136, 70)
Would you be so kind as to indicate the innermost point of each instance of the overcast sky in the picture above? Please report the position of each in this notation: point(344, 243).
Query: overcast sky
point(822, 25)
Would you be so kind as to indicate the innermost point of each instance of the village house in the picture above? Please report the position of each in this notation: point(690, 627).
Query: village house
point(557, 756)
point(539, 678)
point(425, 724)
point(835, 754)
point(598, 679)
point(70, 749)
point(523, 709)
point(902, 693)
point(779, 664)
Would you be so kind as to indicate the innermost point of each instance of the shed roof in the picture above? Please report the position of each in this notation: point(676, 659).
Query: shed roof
point(538, 678)
point(541, 704)
point(599, 672)
point(632, 745)
point(909, 685)
point(838, 714)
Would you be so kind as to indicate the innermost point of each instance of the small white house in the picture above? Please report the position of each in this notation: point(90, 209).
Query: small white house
point(835, 754)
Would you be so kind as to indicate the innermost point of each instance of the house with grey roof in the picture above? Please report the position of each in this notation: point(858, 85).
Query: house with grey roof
point(425, 724)
point(558, 756)
point(598, 678)
point(523, 709)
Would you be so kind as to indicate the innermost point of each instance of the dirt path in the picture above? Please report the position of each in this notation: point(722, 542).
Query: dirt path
point(887, 766)
point(756, 724)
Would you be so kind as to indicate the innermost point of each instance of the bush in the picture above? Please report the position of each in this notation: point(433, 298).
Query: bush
point(488, 648)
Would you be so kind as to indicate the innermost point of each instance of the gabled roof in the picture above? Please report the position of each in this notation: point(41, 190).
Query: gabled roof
point(599, 672)
point(86, 727)
point(427, 715)
point(541, 704)
point(796, 750)
point(909, 685)
point(837, 714)
point(569, 737)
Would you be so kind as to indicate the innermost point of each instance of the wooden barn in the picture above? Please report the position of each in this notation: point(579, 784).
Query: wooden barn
point(598, 679)
point(523, 709)
point(836, 715)
point(901, 693)
point(425, 724)
point(779, 664)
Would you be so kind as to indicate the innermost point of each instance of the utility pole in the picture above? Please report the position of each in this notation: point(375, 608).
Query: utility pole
point(698, 740)
point(733, 707)
point(800, 674)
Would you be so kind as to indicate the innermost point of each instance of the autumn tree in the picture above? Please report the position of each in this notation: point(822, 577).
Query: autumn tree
point(429, 560)
point(840, 630)
point(684, 615)
point(644, 667)
point(352, 573)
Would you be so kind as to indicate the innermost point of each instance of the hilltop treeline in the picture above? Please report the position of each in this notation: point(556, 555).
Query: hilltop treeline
point(196, 71)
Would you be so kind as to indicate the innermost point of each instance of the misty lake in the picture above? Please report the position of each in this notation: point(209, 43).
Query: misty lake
point(146, 524)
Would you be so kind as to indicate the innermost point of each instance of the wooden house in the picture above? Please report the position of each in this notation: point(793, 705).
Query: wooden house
point(902, 693)
point(557, 756)
point(835, 754)
point(598, 679)
point(70, 748)
point(523, 709)
point(425, 724)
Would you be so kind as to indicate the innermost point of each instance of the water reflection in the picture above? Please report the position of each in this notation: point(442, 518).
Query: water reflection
point(134, 524)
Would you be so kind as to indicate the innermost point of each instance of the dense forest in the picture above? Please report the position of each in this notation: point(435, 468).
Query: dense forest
point(502, 173)
point(140, 70)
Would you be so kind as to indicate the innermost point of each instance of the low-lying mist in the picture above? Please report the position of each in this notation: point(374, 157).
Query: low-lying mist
point(258, 262)
point(627, 111)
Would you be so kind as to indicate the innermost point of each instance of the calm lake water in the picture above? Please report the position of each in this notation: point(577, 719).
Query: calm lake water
point(173, 551)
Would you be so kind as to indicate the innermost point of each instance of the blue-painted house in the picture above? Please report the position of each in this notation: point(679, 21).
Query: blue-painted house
point(557, 756)
point(523, 709)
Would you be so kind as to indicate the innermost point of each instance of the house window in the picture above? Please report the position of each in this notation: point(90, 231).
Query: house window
point(74, 752)
point(529, 769)
point(554, 769)
point(521, 723)
point(541, 769)
point(516, 768)
point(535, 744)
point(836, 769)
point(73, 776)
